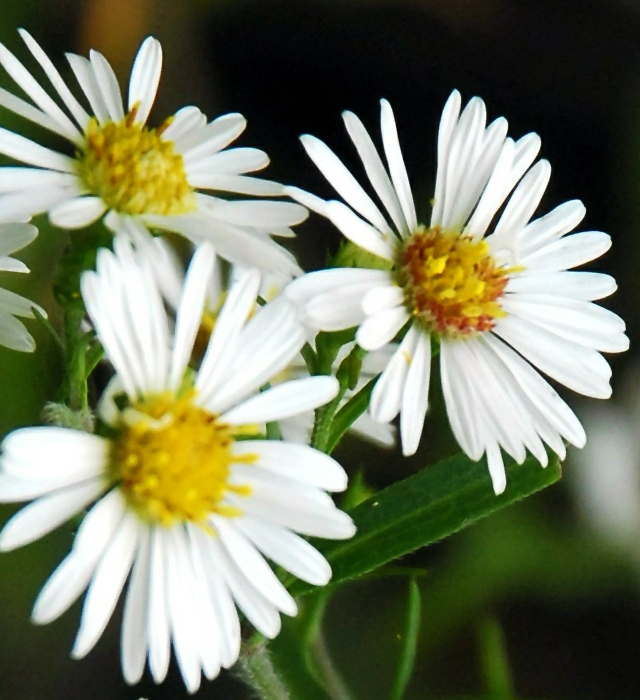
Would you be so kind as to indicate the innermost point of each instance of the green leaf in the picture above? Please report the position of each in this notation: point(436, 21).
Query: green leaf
point(328, 346)
point(348, 415)
point(408, 654)
point(424, 508)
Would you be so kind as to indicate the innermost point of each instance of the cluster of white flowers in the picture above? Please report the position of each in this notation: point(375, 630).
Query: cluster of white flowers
point(184, 495)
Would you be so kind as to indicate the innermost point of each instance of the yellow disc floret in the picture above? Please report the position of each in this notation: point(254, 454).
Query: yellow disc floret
point(133, 170)
point(172, 460)
point(451, 282)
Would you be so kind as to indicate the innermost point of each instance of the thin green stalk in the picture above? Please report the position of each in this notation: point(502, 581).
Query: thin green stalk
point(317, 655)
point(256, 669)
point(494, 660)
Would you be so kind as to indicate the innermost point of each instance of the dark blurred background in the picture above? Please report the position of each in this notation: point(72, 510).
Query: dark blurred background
point(565, 593)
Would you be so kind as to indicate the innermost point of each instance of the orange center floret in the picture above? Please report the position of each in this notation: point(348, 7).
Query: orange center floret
point(172, 460)
point(451, 282)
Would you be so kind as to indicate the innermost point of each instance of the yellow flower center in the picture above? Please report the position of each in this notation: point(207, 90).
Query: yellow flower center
point(133, 170)
point(173, 459)
point(451, 282)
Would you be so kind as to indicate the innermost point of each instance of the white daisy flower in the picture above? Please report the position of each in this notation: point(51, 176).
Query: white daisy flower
point(184, 496)
point(139, 176)
point(497, 297)
point(168, 273)
point(13, 334)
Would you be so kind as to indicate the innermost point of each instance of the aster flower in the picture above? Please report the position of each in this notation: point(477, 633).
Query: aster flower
point(497, 297)
point(184, 496)
point(139, 176)
point(13, 334)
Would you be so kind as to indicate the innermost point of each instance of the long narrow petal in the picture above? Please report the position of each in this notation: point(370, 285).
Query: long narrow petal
point(284, 400)
point(145, 78)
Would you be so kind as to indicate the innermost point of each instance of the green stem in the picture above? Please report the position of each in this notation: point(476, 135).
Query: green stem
point(256, 669)
point(317, 655)
point(494, 660)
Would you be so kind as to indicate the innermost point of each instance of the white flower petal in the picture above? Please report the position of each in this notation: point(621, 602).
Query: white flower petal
point(221, 599)
point(253, 566)
point(77, 213)
point(145, 77)
point(47, 513)
point(33, 114)
point(310, 201)
point(523, 202)
point(259, 213)
point(308, 518)
point(586, 286)
point(358, 231)
point(26, 151)
point(233, 161)
point(108, 85)
point(382, 328)
point(386, 397)
point(415, 397)
point(239, 184)
point(540, 393)
point(14, 237)
point(106, 585)
point(238, 306)
point(215, 136)
point(464, 424)
point(287, 550)
point(568, 252)
point(382, 299)
point(186, 121)
point(83, 70)
point(16, 305)
point(496, 468)
point(448, 121)
point(299, 462)
point(189, 315)
point(579, 368)
point(183, 616)
point(73, 575)
point(343, 182)
point(396, 164)
point(14, 335)
point(375, 170)
point(158, 634)
point(579, 321)
point(303, 289)
point(278, 335)
point(78, 112)
point(32, 88)
point(284, 400)
point(133, 646)
point(551, 226)
point(17, 179)
point(338, 309)
point(21, 206)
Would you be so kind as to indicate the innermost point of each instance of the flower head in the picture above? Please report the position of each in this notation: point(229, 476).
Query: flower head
point(496, 296)
point(141, 177)
point(184, 493)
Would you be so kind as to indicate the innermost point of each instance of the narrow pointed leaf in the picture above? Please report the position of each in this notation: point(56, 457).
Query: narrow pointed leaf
point(424, 508)
point(409, 643)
